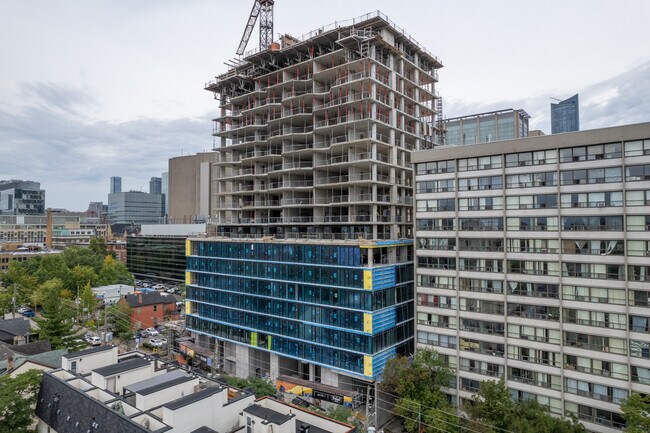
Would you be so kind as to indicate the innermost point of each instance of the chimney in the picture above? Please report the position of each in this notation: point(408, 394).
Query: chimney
point(48, 233)
point(140, 298)
point(10, 363)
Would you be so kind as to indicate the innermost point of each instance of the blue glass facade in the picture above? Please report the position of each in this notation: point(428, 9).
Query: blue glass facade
point(320, 303)
point(565, 116)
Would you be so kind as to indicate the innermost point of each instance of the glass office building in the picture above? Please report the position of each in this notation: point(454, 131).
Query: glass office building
point(565, 115)
point(156, 256)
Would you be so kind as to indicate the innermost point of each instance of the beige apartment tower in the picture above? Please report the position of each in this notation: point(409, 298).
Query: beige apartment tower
point(533, 264)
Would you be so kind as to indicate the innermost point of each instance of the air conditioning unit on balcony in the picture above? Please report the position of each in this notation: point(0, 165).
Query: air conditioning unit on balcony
point(601, 204)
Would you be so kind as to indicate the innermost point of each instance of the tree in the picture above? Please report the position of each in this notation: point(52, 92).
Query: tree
point(114, 272)
point(119, 315)
point(88, 300)
point(98, 246)
point(636, 411)
point(81, 276)
point(19, 282)
point(260, 387)
point(492, 406)
point(58, 314)
point(80, 256)
point(17, 400)
point(418, 385)
point(339, 413)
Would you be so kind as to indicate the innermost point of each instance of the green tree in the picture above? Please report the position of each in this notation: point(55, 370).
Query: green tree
point(114, 272)
point(17, 401)
point(418, 385)
point(636, 411)
point(260, 387)
point(339, 413)
point(98, 246)
point(492, 406)
point(87, 300)
point(119, 315)
point(80, 277)
point(80, 256)
point(58, 316)
point(19, 282)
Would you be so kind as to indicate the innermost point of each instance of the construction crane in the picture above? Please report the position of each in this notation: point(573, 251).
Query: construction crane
point(263, 9)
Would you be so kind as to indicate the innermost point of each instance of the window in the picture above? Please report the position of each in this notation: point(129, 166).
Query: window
point(155, 308)
point(635, 173)
point(436, 167)
point(637, 148)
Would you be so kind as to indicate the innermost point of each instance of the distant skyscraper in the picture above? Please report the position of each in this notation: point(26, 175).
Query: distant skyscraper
point(565, 116)
point(155, 185)
point(116, 184)
point(165, 190)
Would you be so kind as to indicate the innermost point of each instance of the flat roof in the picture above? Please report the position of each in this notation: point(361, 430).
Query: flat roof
point(268, 414)
point(611, 134)
point(193, 398)
point(121, 367)
point(164, 385)
point(156, 380)
point(90, 351)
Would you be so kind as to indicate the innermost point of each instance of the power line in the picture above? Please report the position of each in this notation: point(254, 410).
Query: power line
point(268, 365)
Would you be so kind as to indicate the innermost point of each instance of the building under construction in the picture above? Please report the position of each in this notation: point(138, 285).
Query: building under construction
point(311, 268)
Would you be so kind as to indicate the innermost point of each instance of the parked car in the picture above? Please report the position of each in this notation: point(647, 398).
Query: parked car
point(22, 309)
point(143, 333)
point(28, 313)
point(152, 332)
point(95, 341)
point(158, 342)
point(171, 290)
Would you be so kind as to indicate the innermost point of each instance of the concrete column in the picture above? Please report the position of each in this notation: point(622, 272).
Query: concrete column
point(312, 372)
point(329, 377)
point(241, 361)
point(274, 367)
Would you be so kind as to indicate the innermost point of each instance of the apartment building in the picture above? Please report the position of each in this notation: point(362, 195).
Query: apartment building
point(21, 197)
point(310, 271)
point(533, 263)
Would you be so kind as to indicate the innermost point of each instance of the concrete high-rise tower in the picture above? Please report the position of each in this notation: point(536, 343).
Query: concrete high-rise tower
point(311, 268)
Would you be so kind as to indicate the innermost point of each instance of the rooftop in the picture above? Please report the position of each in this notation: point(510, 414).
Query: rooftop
point(88, 351)
point(149, 298)
point(192, 398)
point(121, 367)
point(17, 327)
point(269, 415)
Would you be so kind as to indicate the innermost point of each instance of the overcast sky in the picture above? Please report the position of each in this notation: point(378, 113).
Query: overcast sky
point(98, 88)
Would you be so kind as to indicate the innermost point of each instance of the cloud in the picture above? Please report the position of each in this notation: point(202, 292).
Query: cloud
point(51, 139)
point(619, 100)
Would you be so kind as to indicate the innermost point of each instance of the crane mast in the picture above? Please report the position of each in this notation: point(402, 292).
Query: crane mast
point(264, 10)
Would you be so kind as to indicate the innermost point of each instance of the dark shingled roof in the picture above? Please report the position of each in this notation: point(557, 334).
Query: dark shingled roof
point(204, 429)
point(268, 414)
point(164, 385)
point(121, 367)
point(9, 350)
point(88, 351)
point(15, 327)
point(61, 407)
point(33, 348)
point(192, 398)
point(149, 298)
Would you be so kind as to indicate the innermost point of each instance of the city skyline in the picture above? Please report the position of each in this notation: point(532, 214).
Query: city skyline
point(122, 105)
